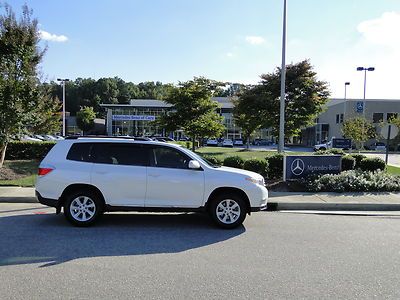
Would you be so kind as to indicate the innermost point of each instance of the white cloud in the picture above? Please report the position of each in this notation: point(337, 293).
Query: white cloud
point(229, 54)
point(52, 37)
point(255, 40)
point(383, 30)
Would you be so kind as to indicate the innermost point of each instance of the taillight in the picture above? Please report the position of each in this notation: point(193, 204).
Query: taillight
point(44, 171)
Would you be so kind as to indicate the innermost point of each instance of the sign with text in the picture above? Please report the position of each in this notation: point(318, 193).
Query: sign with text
point(132, 118)
point(341, 143)
point(360, 106)
point(301, 166)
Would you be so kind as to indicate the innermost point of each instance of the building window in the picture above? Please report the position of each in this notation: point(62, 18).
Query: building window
point(337, 119)
point(377, 117)
point(341, 118)
point(391, 116)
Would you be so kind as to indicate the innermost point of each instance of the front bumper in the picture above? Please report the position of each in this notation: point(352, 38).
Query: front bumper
point(261, 208)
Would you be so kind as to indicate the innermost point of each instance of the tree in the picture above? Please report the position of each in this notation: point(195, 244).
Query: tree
point(47, 116)
point(20, 56)
point(193, 110)
point(246, 113)
point(304, 99)
point(359, 130)
point(85, 118)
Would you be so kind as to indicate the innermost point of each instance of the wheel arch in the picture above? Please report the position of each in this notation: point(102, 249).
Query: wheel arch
point(77, 187)
point(226, 189)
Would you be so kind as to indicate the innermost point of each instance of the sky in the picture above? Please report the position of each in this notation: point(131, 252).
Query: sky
point(226, 40)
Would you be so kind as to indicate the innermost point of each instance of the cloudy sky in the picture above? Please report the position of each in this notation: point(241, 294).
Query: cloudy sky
point(228, 40)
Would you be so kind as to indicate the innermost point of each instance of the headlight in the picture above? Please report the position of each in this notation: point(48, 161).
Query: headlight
point(259, 181)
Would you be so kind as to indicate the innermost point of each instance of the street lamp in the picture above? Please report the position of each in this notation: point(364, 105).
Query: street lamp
point(63, 81)
point(345, 97)
point(370, 69)
point(283, 77)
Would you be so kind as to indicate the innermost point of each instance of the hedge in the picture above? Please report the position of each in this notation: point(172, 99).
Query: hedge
point(372, 164)
point(348, 163)
point(275, 166)
point(28, 150)
point(358, 158)
point(259, 166)
point(234, 162)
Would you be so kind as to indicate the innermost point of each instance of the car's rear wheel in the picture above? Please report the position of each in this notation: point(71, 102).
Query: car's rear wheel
point(82, 208)
point(228, 210)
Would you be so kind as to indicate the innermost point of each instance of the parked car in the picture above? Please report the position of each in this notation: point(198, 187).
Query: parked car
point(323, 146)
point(378, 146)
point(40, 137)
point(85, 177)
point(227, 143)
point(29, 138)
point(212, 142)
point(238, 142)
point(261, 142)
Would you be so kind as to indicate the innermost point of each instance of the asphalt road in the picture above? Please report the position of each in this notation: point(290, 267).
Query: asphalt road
point(274, 255)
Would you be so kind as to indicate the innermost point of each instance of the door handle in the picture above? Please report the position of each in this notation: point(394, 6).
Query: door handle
point(101, 172)
point(154, 175)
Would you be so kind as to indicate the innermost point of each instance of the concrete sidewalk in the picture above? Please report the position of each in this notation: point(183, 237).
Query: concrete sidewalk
point(277, 200)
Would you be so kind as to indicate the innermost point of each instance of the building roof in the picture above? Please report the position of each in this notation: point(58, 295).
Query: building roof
point(335, 101)
point(224, 102)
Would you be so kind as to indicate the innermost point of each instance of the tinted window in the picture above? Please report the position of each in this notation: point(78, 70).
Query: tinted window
point(170, 158)
point(121, 154)
point(377, 117)
point(80, 152)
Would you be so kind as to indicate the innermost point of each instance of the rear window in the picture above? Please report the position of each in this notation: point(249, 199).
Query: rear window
point(80, 152)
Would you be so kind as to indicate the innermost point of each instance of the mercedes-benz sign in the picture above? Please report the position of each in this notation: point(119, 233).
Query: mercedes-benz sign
point(297, 167)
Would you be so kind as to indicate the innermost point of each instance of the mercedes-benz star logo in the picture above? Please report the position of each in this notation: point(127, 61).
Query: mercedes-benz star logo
point(297, 166)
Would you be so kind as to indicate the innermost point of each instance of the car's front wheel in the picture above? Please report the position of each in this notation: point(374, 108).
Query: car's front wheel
point(228, 210)
point(82, 208)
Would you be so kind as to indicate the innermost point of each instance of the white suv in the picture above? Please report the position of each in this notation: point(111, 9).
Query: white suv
point(87, 176)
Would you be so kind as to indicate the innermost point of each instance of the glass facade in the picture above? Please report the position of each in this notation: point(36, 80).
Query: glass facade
point(136, 127)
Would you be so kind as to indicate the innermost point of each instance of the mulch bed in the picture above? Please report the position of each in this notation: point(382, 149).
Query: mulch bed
point(277, 185)
point(9, 174)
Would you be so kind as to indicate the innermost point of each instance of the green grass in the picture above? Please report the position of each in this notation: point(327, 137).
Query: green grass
point(25, 167)
point(393, 170)
point(221, 152)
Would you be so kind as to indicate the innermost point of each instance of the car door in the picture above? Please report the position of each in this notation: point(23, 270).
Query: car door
point(120, 172)
point(170, 182)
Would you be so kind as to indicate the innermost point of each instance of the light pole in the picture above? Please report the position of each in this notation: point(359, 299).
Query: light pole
point(283, 77)
point(63, 81)
point(370, 69)
point(345, 98)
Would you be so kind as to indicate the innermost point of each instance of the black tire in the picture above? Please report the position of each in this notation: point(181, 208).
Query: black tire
point(88, 207)
point(238, 210)
point(322, 149)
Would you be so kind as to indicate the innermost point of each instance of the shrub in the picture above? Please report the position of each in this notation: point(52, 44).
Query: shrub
point(333, 151)
point(28, 150)
point(275, 166)
point(234, 162)
point(353, 181)
point(358, 158)
point(259, 166)
point(213, 159)
point(348, 163)
point(372, 164)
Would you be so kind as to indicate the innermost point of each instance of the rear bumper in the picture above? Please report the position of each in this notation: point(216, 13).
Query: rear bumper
point(47, 201)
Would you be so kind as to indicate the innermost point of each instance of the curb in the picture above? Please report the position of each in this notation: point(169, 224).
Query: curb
point(277, 206)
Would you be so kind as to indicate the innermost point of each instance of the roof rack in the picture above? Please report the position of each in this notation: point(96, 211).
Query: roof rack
point(75, 137)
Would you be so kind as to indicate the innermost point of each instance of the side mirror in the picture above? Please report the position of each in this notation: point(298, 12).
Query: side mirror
point(194, 164)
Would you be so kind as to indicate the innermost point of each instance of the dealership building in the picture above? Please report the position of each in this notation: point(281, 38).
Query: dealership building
point(136, 118)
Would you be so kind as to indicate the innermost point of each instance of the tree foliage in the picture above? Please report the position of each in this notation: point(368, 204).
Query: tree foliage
point(20, 56)
point(359, 130)
point(304, 99)
point(85, 118)
point(193, 110)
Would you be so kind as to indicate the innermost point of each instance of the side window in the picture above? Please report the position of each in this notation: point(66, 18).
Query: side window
point(121, 154)
point(165, 157)
point(80, 152)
